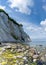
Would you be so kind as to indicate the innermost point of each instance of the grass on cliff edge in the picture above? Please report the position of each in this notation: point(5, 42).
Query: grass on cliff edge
point(1, 10)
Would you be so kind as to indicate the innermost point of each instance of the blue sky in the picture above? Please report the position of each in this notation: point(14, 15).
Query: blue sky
point(31, 13)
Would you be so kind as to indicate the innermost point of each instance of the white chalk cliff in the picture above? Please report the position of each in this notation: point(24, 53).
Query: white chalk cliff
point(10, 30)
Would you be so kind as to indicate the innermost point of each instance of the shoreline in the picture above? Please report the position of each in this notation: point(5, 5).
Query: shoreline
point(21, 53)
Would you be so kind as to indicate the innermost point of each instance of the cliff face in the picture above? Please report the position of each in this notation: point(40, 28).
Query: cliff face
point(10, 30)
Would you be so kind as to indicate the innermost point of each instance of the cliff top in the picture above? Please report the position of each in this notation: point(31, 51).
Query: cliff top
point(1, 10)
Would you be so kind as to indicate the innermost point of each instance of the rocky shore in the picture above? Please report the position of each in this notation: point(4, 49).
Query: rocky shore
point(21, 54)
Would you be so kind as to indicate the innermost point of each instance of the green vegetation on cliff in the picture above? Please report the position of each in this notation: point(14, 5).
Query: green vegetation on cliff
point(1, 10)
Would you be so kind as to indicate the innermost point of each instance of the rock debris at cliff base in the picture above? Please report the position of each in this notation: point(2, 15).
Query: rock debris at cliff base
point(21, 54)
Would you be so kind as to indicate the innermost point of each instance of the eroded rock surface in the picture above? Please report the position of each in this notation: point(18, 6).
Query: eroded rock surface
point(10, 30)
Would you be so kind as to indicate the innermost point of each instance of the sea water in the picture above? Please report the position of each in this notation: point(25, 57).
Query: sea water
point(37, 42)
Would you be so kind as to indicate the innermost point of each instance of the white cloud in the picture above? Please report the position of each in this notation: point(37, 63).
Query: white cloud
point(22, 5)
point(44, 7)
point(43, 23)
point(2, 7)
point(34, 31)
point(44, 0)
point(45, 29)
point(33, 28)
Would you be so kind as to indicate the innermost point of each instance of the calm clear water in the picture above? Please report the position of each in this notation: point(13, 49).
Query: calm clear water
point(34, 43)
